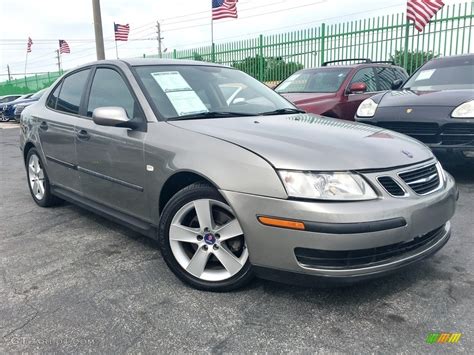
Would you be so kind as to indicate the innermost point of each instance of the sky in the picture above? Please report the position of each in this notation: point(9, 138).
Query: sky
point(184, 24)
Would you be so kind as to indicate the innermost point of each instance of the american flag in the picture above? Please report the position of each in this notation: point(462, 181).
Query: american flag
point(29, 44)
point(421, 11)
point(121, 32)
point(64, 47)
point(224, 9)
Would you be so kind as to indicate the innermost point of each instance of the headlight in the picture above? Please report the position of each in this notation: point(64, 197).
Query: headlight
point(465, 110)
point(367, 108)
point(327, 186)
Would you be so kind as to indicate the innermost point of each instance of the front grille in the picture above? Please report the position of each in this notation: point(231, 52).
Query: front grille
point(432, 133)
point(423, 180)
point(347, 259)
point(391, 186)
point(425, 132)
point(457, 134)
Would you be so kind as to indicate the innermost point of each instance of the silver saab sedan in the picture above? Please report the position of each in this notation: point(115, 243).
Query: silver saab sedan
point(234, 185)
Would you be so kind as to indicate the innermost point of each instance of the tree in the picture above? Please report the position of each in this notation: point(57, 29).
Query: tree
point(267, 69)
point(415, 59)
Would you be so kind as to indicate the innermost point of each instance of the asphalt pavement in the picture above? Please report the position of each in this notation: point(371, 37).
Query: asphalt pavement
point(74, 282)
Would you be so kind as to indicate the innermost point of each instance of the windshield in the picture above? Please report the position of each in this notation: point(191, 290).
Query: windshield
point(444, 74)
point(314, 80)
point(38, 95)
point(185, 91)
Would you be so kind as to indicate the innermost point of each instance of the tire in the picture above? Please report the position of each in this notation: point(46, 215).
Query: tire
point(38, 181)
point(185, 243)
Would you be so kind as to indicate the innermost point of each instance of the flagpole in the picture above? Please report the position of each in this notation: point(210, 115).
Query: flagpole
point(212, 31)
point(213, 55)
point(26, 61)
point(115, 38)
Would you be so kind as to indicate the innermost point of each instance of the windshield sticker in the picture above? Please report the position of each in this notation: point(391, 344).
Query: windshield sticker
point(186, 102)
point(171, 81)
point(425, 74)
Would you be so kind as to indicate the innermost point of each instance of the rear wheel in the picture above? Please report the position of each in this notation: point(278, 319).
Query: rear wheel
point(38, 180)
point(202, 241)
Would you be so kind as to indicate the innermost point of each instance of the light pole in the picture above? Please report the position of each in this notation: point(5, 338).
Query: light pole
point(99, 36)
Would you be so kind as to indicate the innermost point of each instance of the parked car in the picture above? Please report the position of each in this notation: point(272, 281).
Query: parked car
point(4, 101)
point(8, 110)
point(8, 98)
point(337, 90)
point(435, 106)
point(232, 190)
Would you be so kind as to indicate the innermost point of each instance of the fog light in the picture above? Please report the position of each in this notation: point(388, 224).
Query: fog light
point(468, 153)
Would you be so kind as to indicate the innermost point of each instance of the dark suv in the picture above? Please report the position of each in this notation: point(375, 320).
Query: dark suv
point(337, 90)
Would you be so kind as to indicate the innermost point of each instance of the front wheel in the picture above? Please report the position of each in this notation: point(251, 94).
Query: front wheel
point(202, 242)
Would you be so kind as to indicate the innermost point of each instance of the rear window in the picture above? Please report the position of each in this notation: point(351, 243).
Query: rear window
point(319, 80)
point(444, 74)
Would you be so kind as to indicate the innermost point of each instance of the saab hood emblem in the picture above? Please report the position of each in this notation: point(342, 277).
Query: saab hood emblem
point(409, 110)
point(407, 153)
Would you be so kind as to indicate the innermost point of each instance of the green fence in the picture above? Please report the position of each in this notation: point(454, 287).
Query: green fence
point(273, 58)
point(390, 37)
point(28, 84)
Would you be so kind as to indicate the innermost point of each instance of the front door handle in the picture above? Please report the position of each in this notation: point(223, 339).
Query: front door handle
point(83, 135)
point(44, 126)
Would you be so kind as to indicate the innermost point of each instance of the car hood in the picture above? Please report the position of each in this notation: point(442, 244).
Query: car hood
point(312, 142)
point(403, 98)
point(306, 98)
point(16, 102)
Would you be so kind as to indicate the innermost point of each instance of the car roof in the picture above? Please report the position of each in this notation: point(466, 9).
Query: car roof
point(135, 62)
point(453, 57)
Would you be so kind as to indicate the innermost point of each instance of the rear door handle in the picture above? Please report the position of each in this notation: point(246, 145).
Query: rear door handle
point(44, 126)
point(83, 135)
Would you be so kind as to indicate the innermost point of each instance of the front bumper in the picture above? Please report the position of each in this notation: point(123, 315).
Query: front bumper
point(273, 248)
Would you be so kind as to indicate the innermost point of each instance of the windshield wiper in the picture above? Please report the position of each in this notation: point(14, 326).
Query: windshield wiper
point(282, 111)
point(211, 114)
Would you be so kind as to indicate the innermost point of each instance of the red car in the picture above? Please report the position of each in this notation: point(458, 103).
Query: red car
point(337, 90)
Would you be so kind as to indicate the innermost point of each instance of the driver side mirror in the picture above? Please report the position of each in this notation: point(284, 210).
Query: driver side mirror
point(112, 116)
point(358, 88)
point(396, 84)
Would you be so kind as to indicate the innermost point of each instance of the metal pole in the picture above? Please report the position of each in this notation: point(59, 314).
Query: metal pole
point(213, 53)
point(26, 61)
point(99, 35)
point(8, 69)
point(116, 49)
point(158, 33)
point(322, 47)
point(58, 57)
point(405, 55)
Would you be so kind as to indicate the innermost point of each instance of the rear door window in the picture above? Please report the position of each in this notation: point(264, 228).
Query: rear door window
point(367, 76)
point(70, 95)
point(53, 97)
point(386, 76)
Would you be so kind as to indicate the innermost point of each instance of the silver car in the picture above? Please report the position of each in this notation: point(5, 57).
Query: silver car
point(234, 188)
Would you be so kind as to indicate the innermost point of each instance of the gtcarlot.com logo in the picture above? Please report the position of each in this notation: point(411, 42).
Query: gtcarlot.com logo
point(440, 338)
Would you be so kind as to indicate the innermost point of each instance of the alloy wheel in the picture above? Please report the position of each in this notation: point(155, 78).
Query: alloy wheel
point(207, 241)
point(36, 177)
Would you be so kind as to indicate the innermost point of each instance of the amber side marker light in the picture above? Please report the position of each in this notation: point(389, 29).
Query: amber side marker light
point(282, 223)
